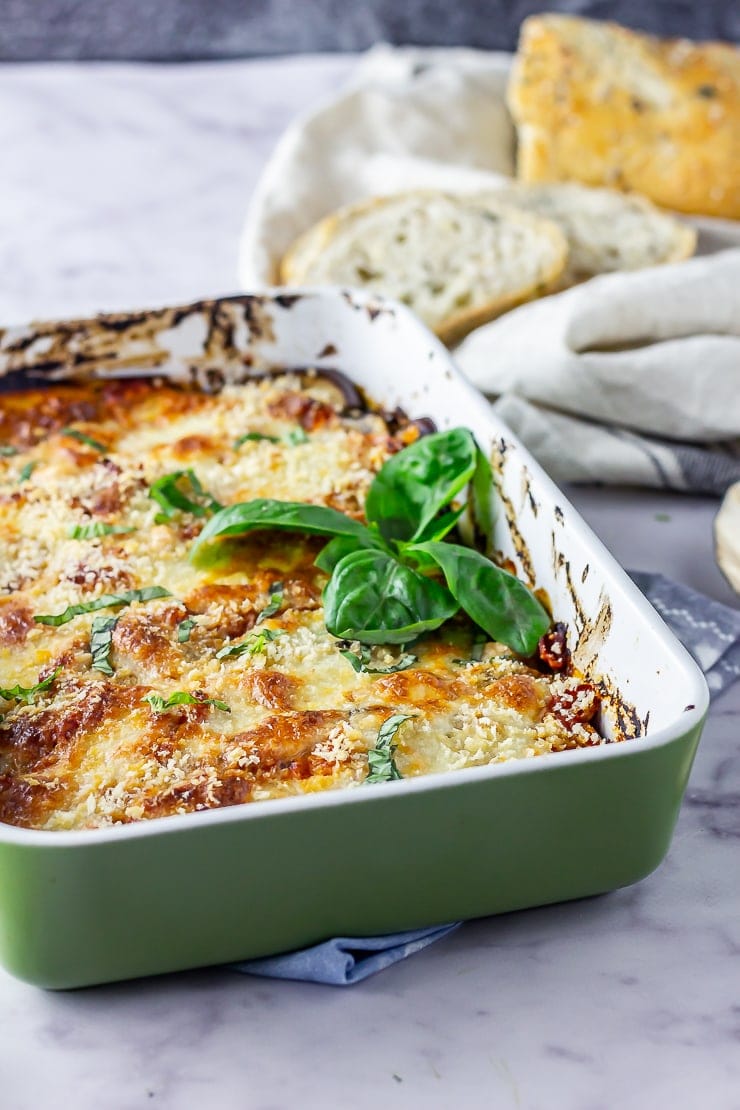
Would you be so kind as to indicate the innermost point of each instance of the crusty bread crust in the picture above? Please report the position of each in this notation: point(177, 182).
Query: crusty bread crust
point(596, 103)
point(311, 259)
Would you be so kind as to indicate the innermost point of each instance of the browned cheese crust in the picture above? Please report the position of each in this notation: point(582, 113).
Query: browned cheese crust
point(89, 750)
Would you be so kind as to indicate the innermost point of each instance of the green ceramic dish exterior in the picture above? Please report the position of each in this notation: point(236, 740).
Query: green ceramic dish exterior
point(93, 906)
point(84, 908)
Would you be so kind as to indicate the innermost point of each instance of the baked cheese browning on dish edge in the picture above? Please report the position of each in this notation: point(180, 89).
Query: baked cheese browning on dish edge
point(229, 688)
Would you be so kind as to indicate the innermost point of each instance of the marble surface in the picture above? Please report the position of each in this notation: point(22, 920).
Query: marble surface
point(121, 186)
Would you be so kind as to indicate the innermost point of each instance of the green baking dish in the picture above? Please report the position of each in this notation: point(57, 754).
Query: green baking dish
point(86, 907)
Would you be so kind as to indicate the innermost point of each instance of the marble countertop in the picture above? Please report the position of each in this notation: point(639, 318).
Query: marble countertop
point(121, 186)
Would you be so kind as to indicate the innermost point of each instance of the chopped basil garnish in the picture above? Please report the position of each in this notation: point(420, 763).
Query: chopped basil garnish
point(101, 635)
point(27, 694)
point(7, 449)
point(380, 759)
point(362, 662)
point(171, 497)
point(107, 601)
point(253, 437)
point(184, 629)
point(27, 471)
point(82, 438)
point(159, 704)
point(274, 602)
point(96, 528)
point(295, 437)
point(255, 645)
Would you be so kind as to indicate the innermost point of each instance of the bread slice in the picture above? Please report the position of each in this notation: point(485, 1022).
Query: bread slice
point(727, 536)
point(606, 230)
point(596, 103)
point(457, 261)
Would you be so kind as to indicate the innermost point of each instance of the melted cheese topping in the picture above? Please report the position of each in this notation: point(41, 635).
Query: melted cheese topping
point(89, 749)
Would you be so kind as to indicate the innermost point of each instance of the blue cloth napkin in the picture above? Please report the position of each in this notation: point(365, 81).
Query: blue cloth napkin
point(345, 960)
point(708, 629)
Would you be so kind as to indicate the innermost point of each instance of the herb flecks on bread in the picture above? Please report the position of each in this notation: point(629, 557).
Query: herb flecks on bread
point(457, 261)
point(596, 103)
point(606, 230)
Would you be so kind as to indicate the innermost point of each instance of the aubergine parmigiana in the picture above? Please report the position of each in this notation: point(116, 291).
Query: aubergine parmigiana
point(213, 599)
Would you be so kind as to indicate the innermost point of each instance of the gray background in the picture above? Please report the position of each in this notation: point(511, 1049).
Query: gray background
point(188, 29)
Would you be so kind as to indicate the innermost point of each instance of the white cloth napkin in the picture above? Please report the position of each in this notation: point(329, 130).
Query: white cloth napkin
point(651, 358)
point(630, 378)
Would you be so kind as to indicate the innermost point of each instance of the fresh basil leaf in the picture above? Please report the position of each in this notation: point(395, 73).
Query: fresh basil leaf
point(168, 493)
point(438, 528)
point(495, 599)
point(335, 550)
point(413, 486)
point(106, 601)
point(253, 437)
point(7, 450)
point(159, 704)
point(380, 759)
point(101, 639)
point(274, 603)
point(481, 501)
point(26, 694)
point(255, 645)
point(96, 528)
point(340, 546)
point(184, 628)
point(295, 437)
point(290, 516)
point(362, 663)
point(373, 598)
point(27, 471)
point(82, 438)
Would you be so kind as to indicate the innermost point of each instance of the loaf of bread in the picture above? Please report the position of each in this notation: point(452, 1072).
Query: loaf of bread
point(596, 103)
point(457, 261)
point(606, 230)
